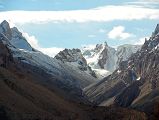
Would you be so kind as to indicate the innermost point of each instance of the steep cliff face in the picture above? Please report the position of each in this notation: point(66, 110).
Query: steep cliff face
point(5, 55)
point(136, 81)
point(125, 51)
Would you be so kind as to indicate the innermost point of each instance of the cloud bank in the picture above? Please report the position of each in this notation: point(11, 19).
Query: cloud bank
point(100, 14)
point(118, 32)
point(52, 51)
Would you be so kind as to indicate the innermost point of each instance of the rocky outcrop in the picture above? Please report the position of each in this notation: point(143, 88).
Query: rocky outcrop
point(75, 58)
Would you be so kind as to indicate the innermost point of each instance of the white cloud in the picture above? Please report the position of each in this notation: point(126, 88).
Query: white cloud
point(141, 41)
point(102, 30)
point(51, 51)
point(118, 32)
point(100, 14)
point(34, 43)
point(149, 1)
point(32, 40)
point(91, 36)
point(144, 2)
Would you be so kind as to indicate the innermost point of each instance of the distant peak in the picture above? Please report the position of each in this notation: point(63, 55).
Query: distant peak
point(101, 46)
point(5, 24)
point(156, 30)
point(5, 29)
point(105, 43)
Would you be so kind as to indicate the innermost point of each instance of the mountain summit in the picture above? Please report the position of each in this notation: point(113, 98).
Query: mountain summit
point(105, 59)
point(14, 36)
point(75, 58)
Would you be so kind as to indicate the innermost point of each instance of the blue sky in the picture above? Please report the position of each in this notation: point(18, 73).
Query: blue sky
point(56, 4)
point(73, 23)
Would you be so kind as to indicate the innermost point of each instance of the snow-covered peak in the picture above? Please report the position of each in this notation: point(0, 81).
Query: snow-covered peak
point(91, 51)
point(100, 58)
point(103, 57)
point(14, 36)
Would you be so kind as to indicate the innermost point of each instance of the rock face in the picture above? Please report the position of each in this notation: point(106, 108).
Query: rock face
point(103, 57)
point(5, 56)
point(75, 58)
point(135, 83)
point(125, 51)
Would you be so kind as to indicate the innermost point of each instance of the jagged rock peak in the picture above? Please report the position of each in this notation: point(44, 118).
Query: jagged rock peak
point(75, 58)
point(5, 24)
point(14, 37)
point(70, 55)
point(5, 29)
point(156, 32)
point(101, 46)
point(153, 42)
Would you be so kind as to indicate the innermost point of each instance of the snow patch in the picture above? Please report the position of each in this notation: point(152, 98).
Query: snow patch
point(101, 73)
point(118, 71)
point(138, 78)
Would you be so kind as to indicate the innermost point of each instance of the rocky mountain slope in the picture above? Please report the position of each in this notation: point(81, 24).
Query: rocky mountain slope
point(75, 58)
point(135, 83)
point(35, 86)
point(33, 60)
point(104, 59)
point(22, 51)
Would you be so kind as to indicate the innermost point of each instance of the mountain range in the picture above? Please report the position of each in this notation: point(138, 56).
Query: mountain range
point(92, 83)
point(135, 83)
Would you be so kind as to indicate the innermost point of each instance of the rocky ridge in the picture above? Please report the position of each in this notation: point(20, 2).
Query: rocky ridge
point(135, 83)
point(75, 58)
